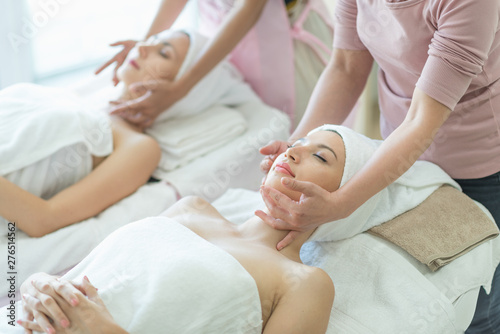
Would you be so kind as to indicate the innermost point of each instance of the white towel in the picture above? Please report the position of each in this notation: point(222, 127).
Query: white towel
point(185, 138)
point(62, 249)
point(37, 121)
point(408, 191)
point(157, 276)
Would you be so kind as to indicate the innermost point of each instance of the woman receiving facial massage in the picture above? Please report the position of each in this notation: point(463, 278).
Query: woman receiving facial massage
point(58, 151)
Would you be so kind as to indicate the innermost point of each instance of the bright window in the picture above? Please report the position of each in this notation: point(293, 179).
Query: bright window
point(48, 40)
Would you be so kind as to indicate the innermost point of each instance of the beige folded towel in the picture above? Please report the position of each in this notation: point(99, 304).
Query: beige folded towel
point(445, 226)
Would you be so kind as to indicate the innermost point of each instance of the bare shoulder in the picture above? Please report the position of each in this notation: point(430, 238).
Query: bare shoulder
point(315, 281)
point(306, 303)
point(191, 205)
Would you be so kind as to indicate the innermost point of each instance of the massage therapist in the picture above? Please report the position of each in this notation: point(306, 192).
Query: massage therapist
point(439, 95)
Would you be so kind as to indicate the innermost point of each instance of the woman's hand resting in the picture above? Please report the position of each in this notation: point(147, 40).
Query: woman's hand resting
point(56, 305)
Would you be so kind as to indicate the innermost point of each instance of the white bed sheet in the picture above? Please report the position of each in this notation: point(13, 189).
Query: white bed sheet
point(382, 289)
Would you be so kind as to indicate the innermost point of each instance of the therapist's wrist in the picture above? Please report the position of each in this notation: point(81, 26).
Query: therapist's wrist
point(344, 203)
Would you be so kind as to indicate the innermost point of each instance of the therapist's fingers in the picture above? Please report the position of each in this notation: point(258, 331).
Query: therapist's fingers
point(279, 205)
point(274, 148)
point(307, 188)
point(131, 107)
point(287, 240)
point(277, 224)
point(143, 86)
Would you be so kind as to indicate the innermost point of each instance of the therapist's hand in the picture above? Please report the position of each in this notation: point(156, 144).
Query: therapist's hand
point(271, 152)
point(316, 206)
point(119, 58)
point(156, 96)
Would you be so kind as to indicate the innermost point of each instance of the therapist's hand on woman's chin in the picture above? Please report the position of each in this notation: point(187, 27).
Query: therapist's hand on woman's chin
point(56, 305)
point(315, 207)
point(154, 97)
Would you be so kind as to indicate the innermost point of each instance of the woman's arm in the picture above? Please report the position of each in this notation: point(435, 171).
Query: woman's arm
point(334, 96)
point(337, 90)
point(165, 16)
point(236, 25)
point(134, 158)
point(305, 307)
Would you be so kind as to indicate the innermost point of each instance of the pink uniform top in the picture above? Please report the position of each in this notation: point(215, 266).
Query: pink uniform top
point(265, 56)
point(450, 49)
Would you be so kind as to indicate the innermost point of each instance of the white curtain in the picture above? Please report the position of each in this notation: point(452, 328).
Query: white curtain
point(17, 29)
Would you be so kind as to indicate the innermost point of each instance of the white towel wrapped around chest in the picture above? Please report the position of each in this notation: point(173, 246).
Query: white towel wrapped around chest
point(37, 121)
point(157, 276)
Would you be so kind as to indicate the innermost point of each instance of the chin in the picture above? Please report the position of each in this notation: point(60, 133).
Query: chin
point(275, 182)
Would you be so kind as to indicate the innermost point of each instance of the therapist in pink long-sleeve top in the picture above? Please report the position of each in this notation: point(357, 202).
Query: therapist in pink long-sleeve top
point(439, 94)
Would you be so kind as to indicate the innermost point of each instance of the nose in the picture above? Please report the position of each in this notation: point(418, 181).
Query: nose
point(293, 154)
point(143, 49)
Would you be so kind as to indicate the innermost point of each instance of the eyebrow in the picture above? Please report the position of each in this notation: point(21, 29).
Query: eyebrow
point(165, 43)
point(303, 139)
point(329, 149)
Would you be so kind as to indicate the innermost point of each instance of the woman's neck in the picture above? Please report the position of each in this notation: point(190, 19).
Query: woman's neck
point(256, 230)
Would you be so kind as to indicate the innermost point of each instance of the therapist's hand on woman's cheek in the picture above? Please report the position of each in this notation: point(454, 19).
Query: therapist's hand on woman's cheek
point(271, 152)
point(316, 206)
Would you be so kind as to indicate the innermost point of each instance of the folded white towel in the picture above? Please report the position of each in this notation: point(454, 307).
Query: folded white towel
point(185, 138)
point(408, 191)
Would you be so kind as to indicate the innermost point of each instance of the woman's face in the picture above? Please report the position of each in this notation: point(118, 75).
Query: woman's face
point(155, 59)
point(318, 158)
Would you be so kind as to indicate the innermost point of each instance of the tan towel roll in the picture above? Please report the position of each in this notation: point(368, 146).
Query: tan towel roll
point(445, 226)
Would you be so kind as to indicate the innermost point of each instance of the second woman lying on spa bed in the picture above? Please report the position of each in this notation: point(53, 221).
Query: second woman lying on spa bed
point(66, 164)
point(204, 289)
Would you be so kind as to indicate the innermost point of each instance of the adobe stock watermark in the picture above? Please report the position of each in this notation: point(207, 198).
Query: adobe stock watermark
point(32, 25)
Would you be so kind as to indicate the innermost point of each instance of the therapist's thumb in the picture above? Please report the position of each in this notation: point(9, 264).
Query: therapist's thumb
point(287, 240)
point(273, 148)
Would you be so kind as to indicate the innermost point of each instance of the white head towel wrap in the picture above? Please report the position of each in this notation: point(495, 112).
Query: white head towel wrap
point(222, 85)
point(408, 191)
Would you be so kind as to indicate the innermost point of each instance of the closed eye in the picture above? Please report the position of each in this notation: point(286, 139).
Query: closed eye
point(164, 53)
point(320, 157)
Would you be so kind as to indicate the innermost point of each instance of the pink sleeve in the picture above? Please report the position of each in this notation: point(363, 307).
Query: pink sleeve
point(345, 32)
point(465, 30)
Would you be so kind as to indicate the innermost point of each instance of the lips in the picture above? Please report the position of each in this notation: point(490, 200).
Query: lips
point(133, 63)
point(284, 168)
